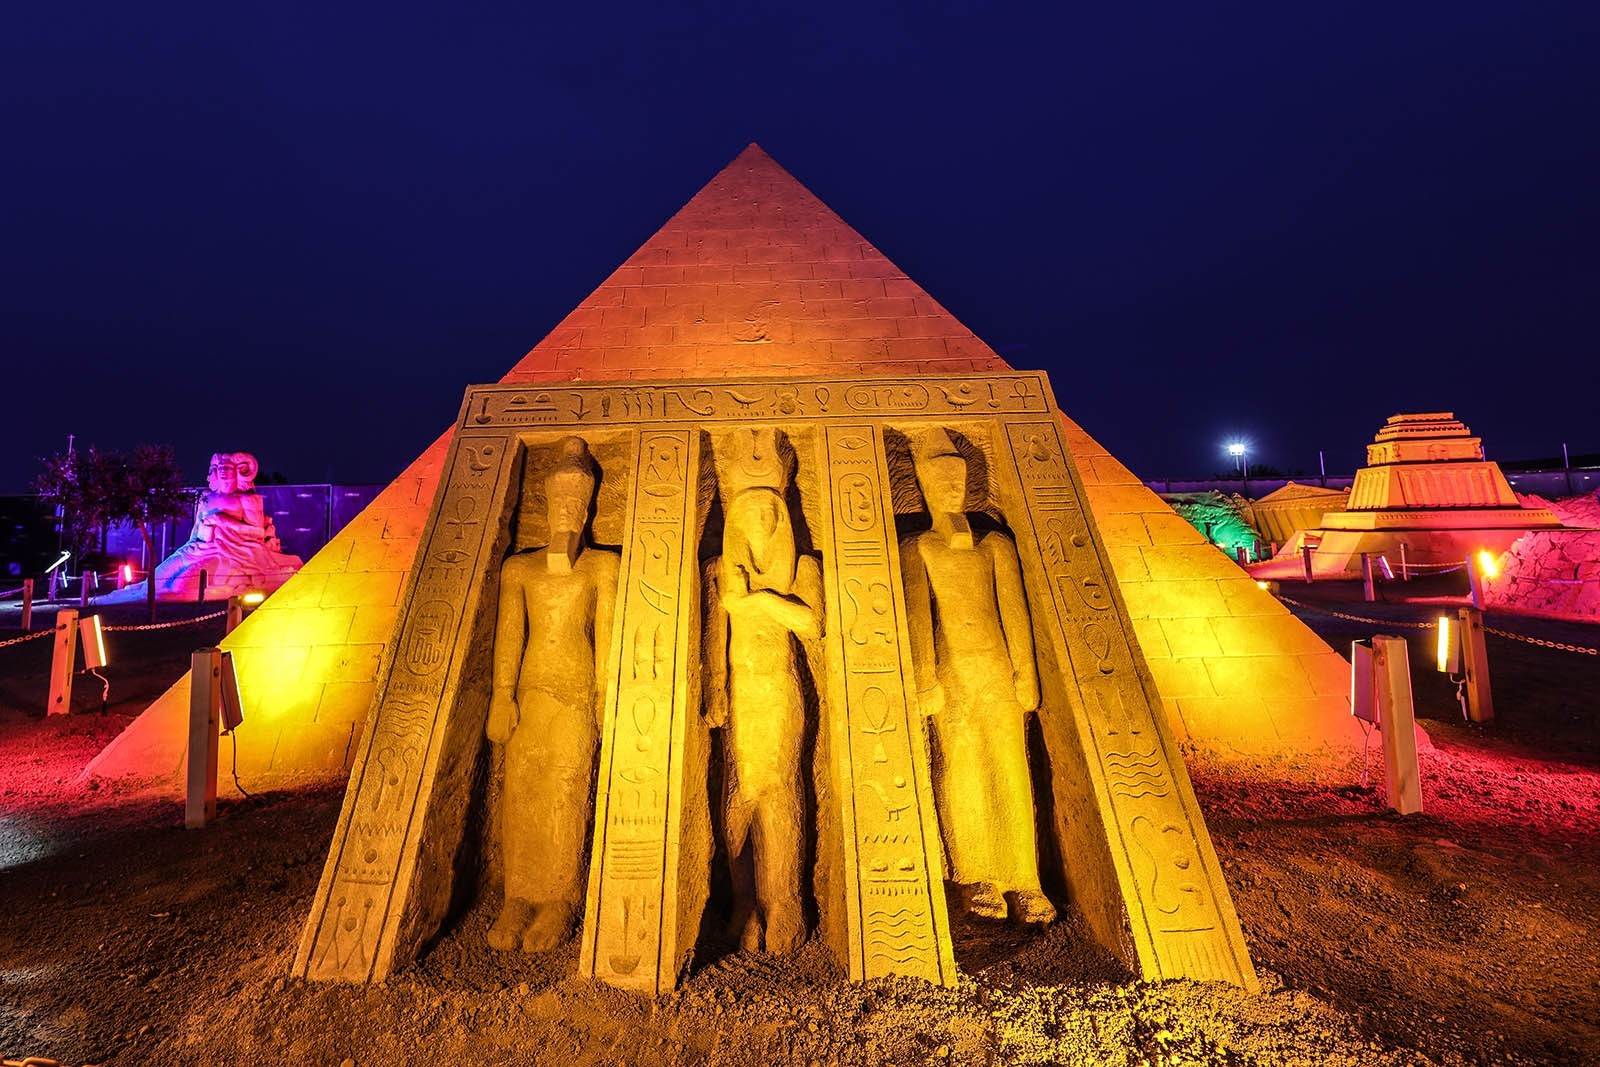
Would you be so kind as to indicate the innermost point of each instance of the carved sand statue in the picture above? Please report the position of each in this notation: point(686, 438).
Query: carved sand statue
point(760, 598)
point(234, 540)
point(551, 639)
point(972, 649)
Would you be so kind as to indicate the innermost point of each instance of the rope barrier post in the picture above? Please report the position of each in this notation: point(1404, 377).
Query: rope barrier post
point(1305, 554)
point(1475, 658)
point(62, 662)
point(235, 614)
point(1368, 593)
point(201, 599)
point(1397, 723)
point(1405, 565)
point(55, 583)
point(27, 604)
point(1475, 583)
point(1240, 553)
point(83, 591)
point(205, 708)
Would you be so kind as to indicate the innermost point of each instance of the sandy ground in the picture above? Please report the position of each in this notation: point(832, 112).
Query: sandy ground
point(1465, 935)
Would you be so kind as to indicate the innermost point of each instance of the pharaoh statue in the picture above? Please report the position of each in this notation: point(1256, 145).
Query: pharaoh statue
point(762, 600)
point(551, 637)
point(234, 540)
point(972, 651)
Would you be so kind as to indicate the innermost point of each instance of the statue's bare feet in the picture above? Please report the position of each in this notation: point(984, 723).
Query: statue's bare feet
point(984, 900)
point(551, 923)
point(1032, 906)
point(753, 935)
point(786, 929)
point(506, 933)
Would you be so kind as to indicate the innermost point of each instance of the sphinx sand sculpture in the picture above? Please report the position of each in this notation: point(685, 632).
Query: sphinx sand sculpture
point(979, 627)
point(234, 540)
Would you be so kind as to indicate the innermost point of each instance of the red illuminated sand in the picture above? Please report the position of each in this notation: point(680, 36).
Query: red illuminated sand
point(1463, 935)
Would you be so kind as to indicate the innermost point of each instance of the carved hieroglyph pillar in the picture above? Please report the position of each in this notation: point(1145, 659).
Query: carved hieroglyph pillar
point(892, 873)
point(1137, 853)
point(387, 881)
point(648, 869)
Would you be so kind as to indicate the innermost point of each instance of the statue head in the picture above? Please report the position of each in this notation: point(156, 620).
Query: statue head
point(569, 487)
point(759, 536)
point(222, 476)
point(232, 472)
point(941, 473)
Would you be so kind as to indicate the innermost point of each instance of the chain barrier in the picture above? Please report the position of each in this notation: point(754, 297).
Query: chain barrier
point(1435, 568)
point(1561, 646)
point(1541, 642)
point(26, 637)
point(130, 628)
point(1358, 618)
point(169, 625)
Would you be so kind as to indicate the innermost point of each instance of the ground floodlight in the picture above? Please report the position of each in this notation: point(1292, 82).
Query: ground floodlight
point(1448, 652)
point(93, 638)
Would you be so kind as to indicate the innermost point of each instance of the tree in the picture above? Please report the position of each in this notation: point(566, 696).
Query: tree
point(99, 489)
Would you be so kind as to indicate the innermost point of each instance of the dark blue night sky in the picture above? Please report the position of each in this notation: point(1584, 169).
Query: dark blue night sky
point(303, 231)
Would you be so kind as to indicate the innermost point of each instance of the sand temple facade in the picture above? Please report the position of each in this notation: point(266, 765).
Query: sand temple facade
point(1428, 489)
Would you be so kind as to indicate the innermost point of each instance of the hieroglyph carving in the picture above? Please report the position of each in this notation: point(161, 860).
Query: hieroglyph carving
point(762, 601)
point(366, 914)
point(600, 403)
point(1178, 910)
point(972, 647)
point(894, 889)
point(636, 929)
point(552, 637)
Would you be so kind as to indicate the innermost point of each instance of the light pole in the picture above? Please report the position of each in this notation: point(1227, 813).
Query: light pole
point(1241, 461)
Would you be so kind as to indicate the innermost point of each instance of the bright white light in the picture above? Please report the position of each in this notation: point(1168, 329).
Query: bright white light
point(1236, 449)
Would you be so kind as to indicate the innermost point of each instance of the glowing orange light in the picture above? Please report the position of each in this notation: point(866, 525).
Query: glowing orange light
point(1447, 646)
point(1262, 585)
point(94, 642)
point(1486, 564)
point(252, 598)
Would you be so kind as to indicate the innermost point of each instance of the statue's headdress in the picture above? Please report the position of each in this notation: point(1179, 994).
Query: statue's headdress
point(573, 469)
point(246, 467)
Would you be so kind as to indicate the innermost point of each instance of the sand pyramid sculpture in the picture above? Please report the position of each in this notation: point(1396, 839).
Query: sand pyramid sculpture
point(755, 275)
point(756, 301)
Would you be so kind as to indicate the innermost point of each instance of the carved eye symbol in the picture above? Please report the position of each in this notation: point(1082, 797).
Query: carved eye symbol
point(450, 556)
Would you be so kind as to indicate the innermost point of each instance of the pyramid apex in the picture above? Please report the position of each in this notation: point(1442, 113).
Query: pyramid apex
point(755, 272)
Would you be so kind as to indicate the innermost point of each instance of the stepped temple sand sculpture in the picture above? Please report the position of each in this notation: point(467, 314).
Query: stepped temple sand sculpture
point(233, 542)
point(761, 597)
point(972, 650)
point(550, 644)
point(756, 314)
point(1427, 487)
